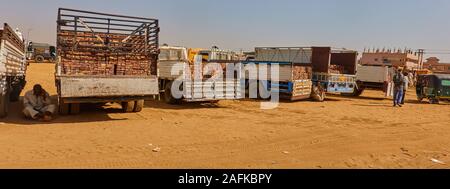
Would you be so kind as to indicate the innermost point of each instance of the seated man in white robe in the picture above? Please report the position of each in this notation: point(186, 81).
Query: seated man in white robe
point(38, 105)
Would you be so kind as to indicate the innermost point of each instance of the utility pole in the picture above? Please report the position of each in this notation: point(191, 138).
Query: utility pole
point(420, 54)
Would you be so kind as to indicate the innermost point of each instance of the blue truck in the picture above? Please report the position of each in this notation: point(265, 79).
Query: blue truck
point(304, 72)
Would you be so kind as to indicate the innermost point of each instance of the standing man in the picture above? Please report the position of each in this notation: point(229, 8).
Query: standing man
point(405, 86)
point(38, 105)
point(399, 83)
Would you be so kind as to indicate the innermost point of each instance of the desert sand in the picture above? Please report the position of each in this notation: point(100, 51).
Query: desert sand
point(342, 132)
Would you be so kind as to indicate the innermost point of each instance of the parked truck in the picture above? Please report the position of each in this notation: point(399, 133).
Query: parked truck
point(375, 77)
point(105, 58)
point(295, 73)
point(12, 67)
point(189, 76)
point(334, 69)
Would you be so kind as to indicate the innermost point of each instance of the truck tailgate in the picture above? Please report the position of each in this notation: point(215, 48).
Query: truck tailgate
point(79, 86)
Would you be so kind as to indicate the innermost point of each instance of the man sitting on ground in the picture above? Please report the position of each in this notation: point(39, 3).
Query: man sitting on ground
point(38, 105)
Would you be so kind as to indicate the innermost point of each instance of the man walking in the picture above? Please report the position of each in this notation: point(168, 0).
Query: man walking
point(399, 82)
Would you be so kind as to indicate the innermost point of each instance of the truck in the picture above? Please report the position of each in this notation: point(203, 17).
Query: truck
point(334, 69)
point(214, 54)
point(375, 77)
point(40, 52)
point(295, 73)
point(12, 67)
point(105, 58)
point(176, 70)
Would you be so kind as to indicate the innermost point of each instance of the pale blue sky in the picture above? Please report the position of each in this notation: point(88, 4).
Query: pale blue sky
point(236, 24)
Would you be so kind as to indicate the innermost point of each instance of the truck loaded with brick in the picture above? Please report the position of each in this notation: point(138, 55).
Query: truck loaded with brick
point(12, 67)
point(334, 69)
point(306, 72)
point(105, 58)
point(201, 78)
point(295, 73)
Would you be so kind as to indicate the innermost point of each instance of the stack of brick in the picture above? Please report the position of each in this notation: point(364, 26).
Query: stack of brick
point(302, 72)
point(336, 69)
point(86, 54)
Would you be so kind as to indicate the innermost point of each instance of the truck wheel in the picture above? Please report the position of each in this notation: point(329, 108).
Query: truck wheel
point(15, 94)
point(433, 101)
point(128, 106)
point(4, 105)
point(74, 108)
point(39, 59)
point(168, 97)
point(63, 108)
point(138, 105)
point(358, 92)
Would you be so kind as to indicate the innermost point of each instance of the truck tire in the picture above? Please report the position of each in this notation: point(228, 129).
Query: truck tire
point(434, 101)
point(358, 92)
point(168, 97)
point(74, 108)
point(39, 59)
point(4, 105)
point(63, 108)
point(128, 106)
point(15, 94)
point(359, 89)
point(138, 105)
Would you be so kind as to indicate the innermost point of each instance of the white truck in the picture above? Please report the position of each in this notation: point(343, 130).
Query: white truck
point(192, 82)
point(376, 77)
point(13, 67)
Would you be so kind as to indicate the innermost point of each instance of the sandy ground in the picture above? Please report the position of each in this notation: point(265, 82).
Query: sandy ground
point(365, 132)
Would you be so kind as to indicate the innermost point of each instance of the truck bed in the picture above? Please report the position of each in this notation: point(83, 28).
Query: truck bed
point(91, 43)
point(12, 53)
point(104, 56)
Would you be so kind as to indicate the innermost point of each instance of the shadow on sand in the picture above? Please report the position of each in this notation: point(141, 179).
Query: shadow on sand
point(160, 104)
point(89, 113)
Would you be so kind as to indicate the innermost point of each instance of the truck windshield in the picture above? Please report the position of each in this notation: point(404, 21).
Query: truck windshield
point(445, 82)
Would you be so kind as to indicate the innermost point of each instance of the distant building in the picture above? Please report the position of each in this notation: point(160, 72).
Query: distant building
point(433, 64)
point(406, 59)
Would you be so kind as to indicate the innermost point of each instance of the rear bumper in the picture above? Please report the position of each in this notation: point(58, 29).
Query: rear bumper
point(336, 83)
